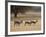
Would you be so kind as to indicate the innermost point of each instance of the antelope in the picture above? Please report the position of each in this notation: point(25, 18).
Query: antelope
point(34, 21)
point(30, 22)
point(27, 22)
point(17, 22)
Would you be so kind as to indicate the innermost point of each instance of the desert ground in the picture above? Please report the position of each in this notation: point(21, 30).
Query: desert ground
point(22, 27)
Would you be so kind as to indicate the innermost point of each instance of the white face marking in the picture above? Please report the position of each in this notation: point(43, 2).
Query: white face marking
point(23, 21)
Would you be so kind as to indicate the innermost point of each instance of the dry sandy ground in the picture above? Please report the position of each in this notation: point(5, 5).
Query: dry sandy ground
point(22, 27)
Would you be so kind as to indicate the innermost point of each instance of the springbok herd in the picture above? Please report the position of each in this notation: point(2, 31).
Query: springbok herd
point(29, 22)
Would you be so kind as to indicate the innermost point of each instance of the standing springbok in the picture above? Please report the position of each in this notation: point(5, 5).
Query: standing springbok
point(34, 21)
point(30, 22)
point(17, 22)
point(27, 22)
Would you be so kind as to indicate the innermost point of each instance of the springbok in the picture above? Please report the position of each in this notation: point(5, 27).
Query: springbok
point(27, 22)
point(34, 21)
point(30, 22)
point(17, 22)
